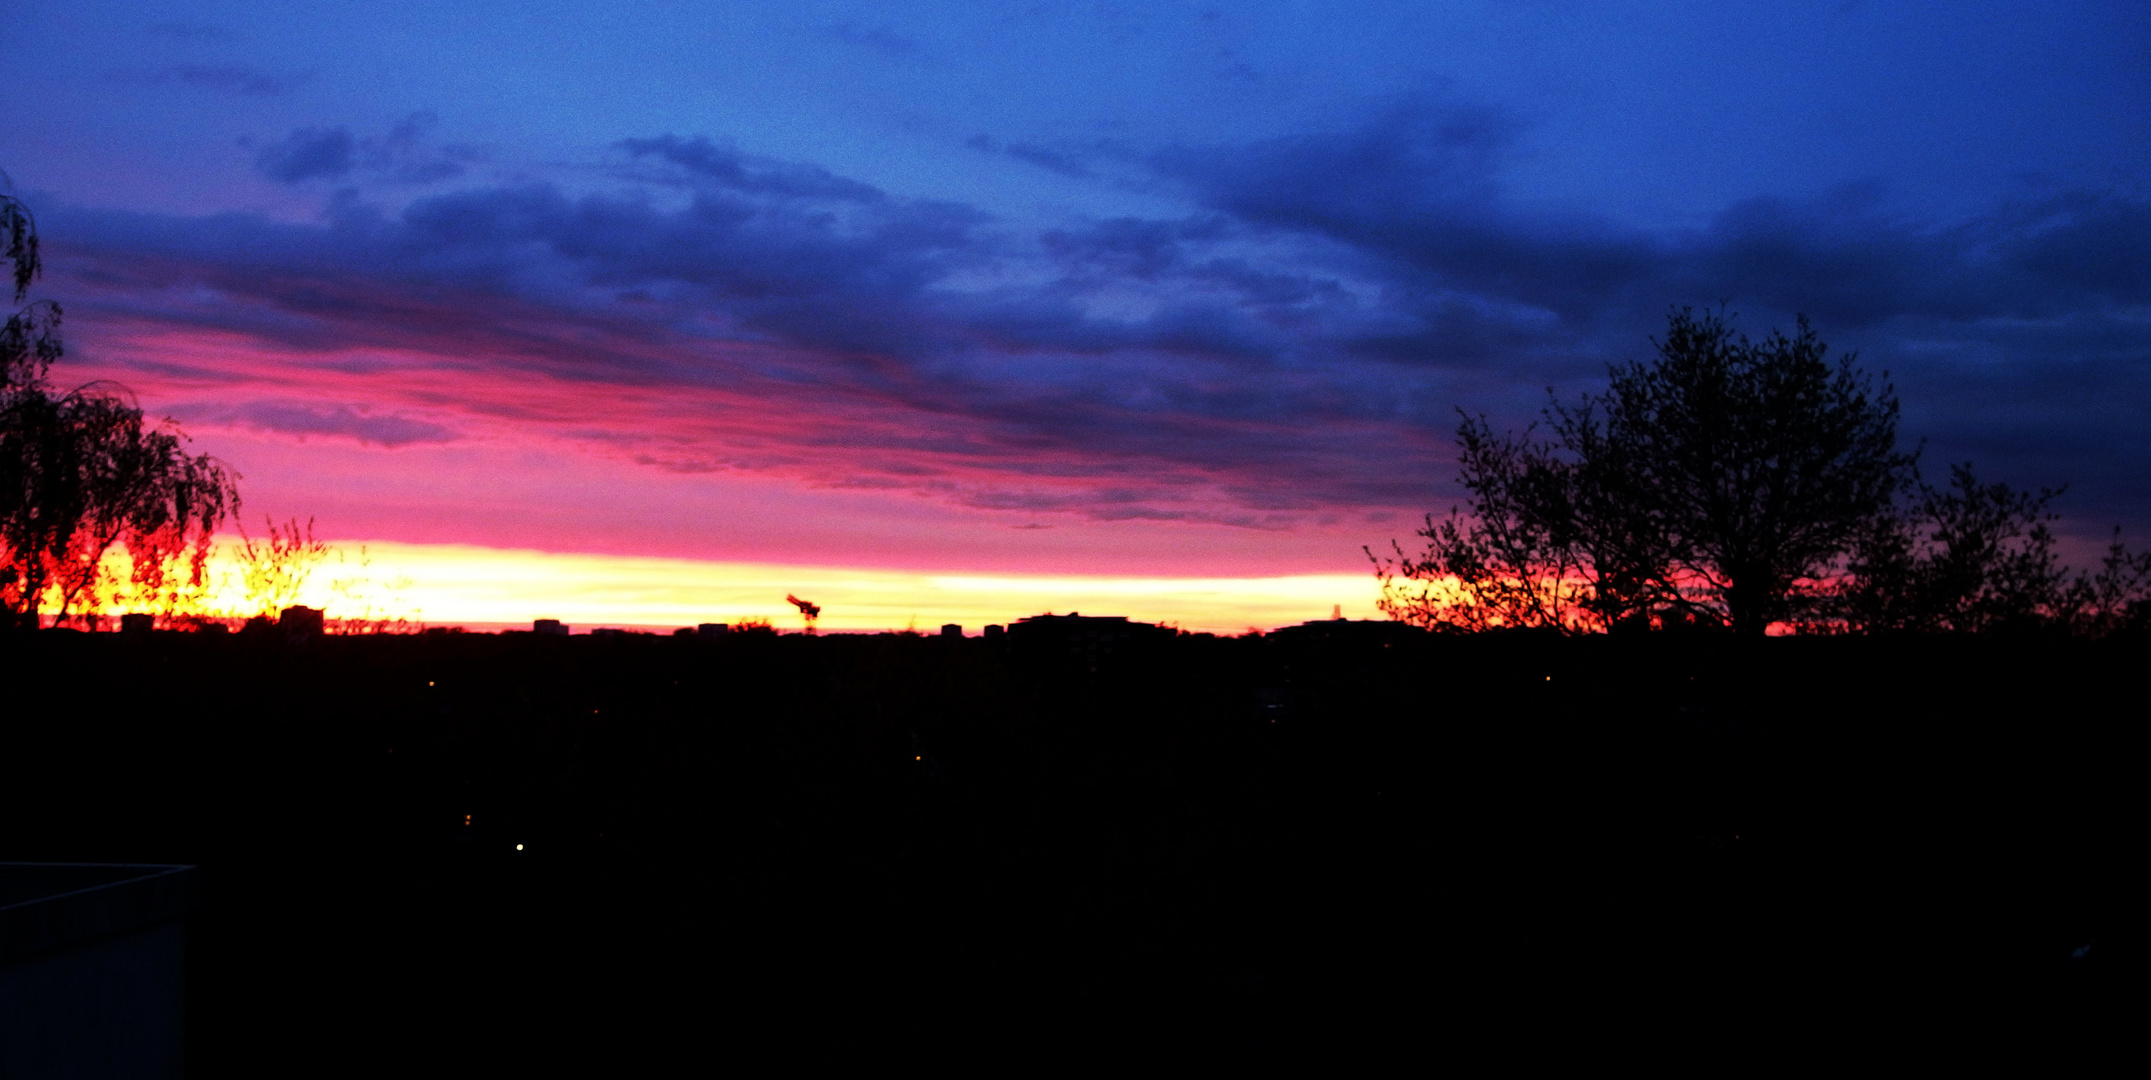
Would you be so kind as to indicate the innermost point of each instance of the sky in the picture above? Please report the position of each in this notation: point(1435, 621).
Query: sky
point(1169, 307)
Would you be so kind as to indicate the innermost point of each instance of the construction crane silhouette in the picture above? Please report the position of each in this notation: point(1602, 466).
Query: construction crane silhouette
point(808, 608)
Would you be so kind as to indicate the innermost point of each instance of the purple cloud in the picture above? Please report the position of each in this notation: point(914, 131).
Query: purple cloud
point(1296, 344)
point(342, 420)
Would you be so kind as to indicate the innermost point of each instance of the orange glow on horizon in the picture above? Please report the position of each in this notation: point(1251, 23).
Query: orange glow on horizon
point(454, 584)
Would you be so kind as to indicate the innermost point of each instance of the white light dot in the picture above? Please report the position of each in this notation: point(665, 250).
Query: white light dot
point(518, 847)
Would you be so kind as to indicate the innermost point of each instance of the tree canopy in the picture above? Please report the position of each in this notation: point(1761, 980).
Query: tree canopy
point(1737, 484)
point(82, 473)
point(1977, 557)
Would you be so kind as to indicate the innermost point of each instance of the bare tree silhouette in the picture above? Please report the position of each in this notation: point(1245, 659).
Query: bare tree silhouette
point(275, 568)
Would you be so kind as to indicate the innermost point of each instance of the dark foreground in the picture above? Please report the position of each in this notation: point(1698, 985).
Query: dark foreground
point(1269, 843)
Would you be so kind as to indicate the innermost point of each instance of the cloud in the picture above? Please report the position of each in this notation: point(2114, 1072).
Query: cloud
point(1958, 310)
point(297, 418)
point(1418, 187)
point(307, 154)
point(1291, 345)
point(724, 166)
point(1134, 247)
point(333, 153)
point(1043, 157)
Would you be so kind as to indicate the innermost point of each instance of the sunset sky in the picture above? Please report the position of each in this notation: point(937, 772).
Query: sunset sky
point(625, 313)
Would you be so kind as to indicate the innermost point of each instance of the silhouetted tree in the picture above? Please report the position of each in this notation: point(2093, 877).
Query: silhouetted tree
point(2114, 598)
point(275, 569)
point(1976, 557)
point(30, 340)
point(80, 471)
point(1515, 561)
point(1721, 482)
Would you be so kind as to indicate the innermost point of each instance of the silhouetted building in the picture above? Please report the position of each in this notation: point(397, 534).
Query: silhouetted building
point(300, 621)
point(93, 969)
point(137, 623)
point(549, 628)
point(951, 630)
point(1361, 633)
point(994, 631)
point(1084, 643)
point(711, 630)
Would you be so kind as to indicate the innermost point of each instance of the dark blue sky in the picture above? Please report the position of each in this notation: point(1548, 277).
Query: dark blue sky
point(1175, 283)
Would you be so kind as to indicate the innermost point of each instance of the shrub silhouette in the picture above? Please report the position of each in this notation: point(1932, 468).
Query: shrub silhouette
point(275, 568)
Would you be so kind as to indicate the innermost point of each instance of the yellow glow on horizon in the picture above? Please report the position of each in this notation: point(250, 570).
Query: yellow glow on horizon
point(446, 585)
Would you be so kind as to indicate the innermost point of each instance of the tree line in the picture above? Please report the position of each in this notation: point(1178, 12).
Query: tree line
point(1742, 485)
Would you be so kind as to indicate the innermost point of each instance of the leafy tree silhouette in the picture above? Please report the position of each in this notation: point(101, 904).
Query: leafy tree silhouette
point(1514, 561)
point(1719, 483)
point(1980, 558)
point(1738, 484)
point(81, 473)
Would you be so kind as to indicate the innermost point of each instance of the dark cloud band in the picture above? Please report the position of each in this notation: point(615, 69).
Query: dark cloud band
point(1294, 345)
